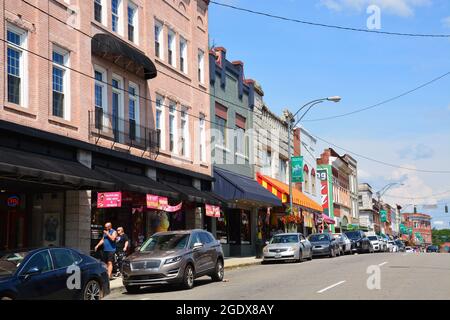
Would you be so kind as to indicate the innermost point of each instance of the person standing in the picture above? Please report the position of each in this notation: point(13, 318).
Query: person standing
point(109, 247)
point(122, 245)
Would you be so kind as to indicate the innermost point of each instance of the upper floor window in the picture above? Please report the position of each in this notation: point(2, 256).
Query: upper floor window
point(183, 55)
point(172, 126)
point(16, 39)
point(100, 93)
point(115, 14)
point(202, 138)
point(201, 66)
point(133, 110)
point(184, 137)
point(159, 120)
point(171, 48)
point(98, 11)
point(60, 83)
point(158, 39)
point(283, 169)
point(132, 22)
point(221, 138)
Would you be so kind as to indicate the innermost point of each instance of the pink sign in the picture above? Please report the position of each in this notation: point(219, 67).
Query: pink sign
point(109, 200)
point(212, 211)
point(152, 201)
point(173, 208)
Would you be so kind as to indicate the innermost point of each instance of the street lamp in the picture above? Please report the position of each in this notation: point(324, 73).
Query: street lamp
point(386, 188)
point(292, 123)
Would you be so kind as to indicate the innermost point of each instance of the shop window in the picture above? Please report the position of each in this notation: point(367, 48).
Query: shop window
point(246, 233)
point(221, 229)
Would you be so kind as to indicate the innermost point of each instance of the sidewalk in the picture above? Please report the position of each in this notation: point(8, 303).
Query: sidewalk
point(230, 263)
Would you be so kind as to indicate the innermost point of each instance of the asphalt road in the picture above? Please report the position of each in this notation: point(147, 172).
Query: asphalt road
point(389, 275)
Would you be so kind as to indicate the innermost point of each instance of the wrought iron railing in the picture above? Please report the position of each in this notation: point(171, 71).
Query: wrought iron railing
point(108, 126)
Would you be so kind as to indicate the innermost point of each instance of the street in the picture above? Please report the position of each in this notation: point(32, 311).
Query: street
point(403, 276)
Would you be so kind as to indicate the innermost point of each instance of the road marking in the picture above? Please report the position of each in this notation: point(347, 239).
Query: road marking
point(330, 287)
point(382, 264)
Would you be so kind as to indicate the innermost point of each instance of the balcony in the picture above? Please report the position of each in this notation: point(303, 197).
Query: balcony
point(126, 132)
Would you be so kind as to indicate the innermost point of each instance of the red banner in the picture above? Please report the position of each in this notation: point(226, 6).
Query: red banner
point(212, 211)
point(109, 200)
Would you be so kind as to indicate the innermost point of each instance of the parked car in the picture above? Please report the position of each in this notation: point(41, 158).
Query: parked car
point(401, 245)
point(44, 273)
point(345, 244)
point(360, 243)
point(433, 249)
point(376, 243)
point(409, 249)
point(324, 244)
point(175, 257)
point(393, 247)
point(383, 243)
point(287, 246)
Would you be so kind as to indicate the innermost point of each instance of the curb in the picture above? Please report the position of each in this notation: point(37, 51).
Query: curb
point(247, 264)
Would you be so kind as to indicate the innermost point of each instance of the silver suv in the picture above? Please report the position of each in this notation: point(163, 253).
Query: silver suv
point(174, 257)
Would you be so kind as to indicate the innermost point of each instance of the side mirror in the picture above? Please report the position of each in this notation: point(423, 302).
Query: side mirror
point(31, 272)
point(198, 245)
point(138, 248)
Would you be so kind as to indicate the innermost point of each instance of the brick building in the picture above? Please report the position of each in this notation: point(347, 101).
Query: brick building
point(421, 228)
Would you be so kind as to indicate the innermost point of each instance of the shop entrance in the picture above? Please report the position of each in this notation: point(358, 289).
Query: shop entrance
point(12, 222)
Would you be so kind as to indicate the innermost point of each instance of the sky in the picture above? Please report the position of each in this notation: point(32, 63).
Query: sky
point(296, 63)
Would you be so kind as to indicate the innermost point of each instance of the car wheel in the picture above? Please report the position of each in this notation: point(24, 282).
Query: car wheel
point(219, 271)
point(133, 289)
point(188, 277)
point(92, 291)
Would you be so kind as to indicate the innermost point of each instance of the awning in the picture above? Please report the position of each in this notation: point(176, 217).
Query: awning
point(327, 219)
point(121, 53)
point(281, 190)
point(193, 194)
point(131, 182)
point(30, 167)
point(231, 187)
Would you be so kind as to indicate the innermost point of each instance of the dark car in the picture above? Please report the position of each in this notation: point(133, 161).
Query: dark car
point(324, 244)
point(360, 242)
point(175, 257)
point(52, 273)
point(401, 245)
point(432, 248)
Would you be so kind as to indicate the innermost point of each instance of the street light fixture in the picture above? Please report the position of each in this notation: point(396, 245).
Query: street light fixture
point(386, 188)
point(292, 123)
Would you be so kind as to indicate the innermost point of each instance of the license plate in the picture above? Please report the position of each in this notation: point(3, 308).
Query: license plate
point(278, 255)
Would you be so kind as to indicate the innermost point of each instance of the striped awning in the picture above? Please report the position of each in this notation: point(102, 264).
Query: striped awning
point(281, 190)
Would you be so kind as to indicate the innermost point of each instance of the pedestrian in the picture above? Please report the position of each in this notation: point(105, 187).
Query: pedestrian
point(122, 245)
point(108, 242)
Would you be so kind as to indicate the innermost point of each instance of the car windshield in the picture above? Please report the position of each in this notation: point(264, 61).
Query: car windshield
point(353, 235)
point(10, 262)
point(319, 237)
point(292, 238)
point(166, 242)
point(373, 238)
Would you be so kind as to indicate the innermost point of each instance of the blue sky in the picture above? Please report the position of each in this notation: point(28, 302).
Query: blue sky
point(296, 63)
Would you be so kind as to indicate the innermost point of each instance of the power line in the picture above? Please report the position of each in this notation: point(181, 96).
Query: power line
point(417, 198)
point(337, 27)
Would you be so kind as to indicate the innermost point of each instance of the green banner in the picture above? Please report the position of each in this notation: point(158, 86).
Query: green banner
point(297, 169)
point(383, 215)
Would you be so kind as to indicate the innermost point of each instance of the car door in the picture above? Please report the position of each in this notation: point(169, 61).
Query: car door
point(210, 250)
point(199, 254)
point(62, 260)
point(306, 246)
point(38, 285)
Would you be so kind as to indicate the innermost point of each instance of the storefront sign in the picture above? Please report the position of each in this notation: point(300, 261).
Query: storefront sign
point(174, 208)
point(212, 211)
point(157, 202)
point(13, 201)
point(297, 169)
point(109, 200)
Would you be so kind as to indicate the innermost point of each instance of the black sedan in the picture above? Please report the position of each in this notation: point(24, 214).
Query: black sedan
point(324, 244)
point(360, 242)
point(52, 273)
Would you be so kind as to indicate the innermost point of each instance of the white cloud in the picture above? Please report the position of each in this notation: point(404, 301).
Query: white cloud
point(438, 223)
point(404, 8)
point(446, 23)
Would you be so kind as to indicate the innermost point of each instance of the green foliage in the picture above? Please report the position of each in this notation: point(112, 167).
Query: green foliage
point(440, 236)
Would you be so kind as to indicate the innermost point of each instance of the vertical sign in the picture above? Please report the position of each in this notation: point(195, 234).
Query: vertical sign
point(326, 186)
point(383, 215)
point(297, 169)
point(212, 211)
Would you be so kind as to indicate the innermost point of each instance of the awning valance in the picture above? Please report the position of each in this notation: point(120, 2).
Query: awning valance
point(281, 190)
point(193, 194)
point(121, 53)
point(234, 187)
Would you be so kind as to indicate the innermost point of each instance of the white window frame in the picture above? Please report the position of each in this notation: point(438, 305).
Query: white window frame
point(174, 127)
point(184, 55)
point(135, 21)
point(23, 62)
point(184, 132)
point(172, 46)
point(202, 136)
point(160, 39)
point(66, 79)
point(119, 15)
point(104, 85)
point(137, 107)
point(201, 66)
point(162, 121)
point(121, 110)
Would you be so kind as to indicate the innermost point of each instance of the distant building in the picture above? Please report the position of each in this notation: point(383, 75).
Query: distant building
point(369, 216)
point(421, 228)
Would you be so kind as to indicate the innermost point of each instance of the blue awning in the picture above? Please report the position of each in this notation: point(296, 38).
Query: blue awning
point(232, 186)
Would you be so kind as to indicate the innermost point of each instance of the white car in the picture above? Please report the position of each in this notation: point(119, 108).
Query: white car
point(376, 243)
point(409, 249)
point(345, 244)
point(383, 244)
point(392, 246)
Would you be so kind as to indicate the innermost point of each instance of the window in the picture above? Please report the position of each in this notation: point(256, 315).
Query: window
point(246, 231)
point(133, 110)
point(221, 137)
point(159, 120)
point(313, 183)
point(132, 22)
point(60, 83)
point(172, 126)
point(202, 138)
point(98, 11)
point(283, 169)
point(100, 92)
point(158, 40)
point(240, 141)
point(267, 162)
point(117, 106)
point(16, 65)
point(41, 261)
point(171, 48)
point(306, 179)
point(201, 66)
point(205, 238)
point(115, 12)
point(183, 56)
point(184, 139)
point(62, 258)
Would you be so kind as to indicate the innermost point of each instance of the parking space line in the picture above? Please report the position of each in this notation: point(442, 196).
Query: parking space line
point(330, 287)
point(382, 264)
